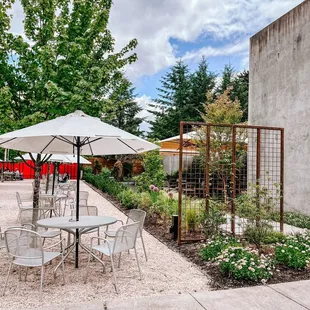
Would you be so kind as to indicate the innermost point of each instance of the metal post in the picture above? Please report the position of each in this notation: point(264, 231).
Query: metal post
point(233, 181)
point(78, 147)
point(258, 147)
point(180, 183)
point(282, 182)
point(208, 168)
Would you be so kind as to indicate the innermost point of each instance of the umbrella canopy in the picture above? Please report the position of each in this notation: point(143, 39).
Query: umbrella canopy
point(58, 136)
point(75, 133)
point(59, 158)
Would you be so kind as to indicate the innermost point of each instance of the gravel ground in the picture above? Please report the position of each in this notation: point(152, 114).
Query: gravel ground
point(165, 273)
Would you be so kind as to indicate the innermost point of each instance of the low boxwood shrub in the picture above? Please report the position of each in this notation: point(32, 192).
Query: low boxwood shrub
point(244, 264)
point(294, 252)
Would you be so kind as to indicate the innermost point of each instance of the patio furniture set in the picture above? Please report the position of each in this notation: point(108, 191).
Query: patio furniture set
point(25, 244)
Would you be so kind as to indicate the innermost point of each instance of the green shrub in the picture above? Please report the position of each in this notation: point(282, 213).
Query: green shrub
point(256, 234)
point(145, 201)
point(294, 252)
point(129, 199)
point(213, 219)
point(215, 247)
point(243, 264)
point(274, 237)
point(154, 173)
point(165, 205)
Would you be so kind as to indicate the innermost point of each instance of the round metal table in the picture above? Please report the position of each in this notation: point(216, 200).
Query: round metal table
point(85, 224)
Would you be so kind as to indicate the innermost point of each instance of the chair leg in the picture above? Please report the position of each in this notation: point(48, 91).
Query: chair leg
point(7, 278)
point(138, 263)
point(26, 273)
point(143, 247)
point(63, 268)
point(119, 259)
point(87, 267)
point(114, 277)
point(42, 278)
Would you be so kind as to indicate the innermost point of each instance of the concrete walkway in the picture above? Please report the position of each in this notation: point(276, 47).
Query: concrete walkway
point(290, 296)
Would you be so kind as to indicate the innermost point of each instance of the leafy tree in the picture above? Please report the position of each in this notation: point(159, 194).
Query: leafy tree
point(65, 61)
point(173, 102)
point(121, 110)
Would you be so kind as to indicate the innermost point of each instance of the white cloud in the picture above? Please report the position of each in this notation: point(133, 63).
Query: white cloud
point(144, 102)
point(155, 22)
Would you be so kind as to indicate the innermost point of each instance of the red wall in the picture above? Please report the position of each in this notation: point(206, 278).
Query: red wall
point(29, 173)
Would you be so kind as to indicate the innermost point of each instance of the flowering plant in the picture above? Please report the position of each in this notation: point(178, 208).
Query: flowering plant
point(213, 248)
point(294, 252)
point(245, 264)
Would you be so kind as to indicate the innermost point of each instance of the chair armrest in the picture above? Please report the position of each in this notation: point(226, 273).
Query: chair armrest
point(107, 227)
point(56, 243)
point(100, 238)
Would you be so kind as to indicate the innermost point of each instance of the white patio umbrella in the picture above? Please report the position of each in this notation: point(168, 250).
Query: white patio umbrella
point(75, 133)
point(56, 159)
point(59, 158)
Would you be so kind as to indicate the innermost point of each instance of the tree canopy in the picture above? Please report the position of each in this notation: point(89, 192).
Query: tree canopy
point(64, 61)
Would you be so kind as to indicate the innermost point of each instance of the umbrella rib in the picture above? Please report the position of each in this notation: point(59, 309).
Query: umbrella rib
point(91, 149)
point(48, 145)
point(63, 139)
point(126, 145)
point(8, 141)
point(89, 142)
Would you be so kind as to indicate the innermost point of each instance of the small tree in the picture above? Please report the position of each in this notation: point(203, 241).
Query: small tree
point(222, 110)
point(154, 173)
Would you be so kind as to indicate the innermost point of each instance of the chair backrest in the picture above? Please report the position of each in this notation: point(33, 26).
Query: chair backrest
point(31, 215)
point(47, 202)
point(88, 211)
point(136, 215)
point(83, 198)
point(19, 201)
point(23, 243)
point(125, 237)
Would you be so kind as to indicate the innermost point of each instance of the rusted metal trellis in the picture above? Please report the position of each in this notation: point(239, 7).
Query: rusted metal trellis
point(218, 163)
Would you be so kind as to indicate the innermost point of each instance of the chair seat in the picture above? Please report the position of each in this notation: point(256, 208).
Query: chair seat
point(103, 248)
point(36, 262)
point(49, 233)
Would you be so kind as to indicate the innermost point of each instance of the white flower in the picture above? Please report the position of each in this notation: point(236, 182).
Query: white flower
point(282, 251)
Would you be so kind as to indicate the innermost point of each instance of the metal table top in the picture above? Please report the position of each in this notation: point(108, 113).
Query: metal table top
point(84, 222)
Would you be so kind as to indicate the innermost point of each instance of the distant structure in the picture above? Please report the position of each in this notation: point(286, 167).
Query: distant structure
point(280, 95)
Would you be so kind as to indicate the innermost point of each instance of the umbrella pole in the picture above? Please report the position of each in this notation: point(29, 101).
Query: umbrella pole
point(77, 211)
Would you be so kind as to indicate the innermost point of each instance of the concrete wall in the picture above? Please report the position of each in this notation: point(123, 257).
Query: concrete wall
point(280, 95)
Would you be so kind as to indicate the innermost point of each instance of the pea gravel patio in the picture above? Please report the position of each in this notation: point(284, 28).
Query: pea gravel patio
point(165, 273)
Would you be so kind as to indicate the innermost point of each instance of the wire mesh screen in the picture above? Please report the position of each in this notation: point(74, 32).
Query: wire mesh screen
point(229, 175)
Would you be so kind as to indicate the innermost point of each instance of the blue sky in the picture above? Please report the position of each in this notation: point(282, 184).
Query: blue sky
point(168, 30)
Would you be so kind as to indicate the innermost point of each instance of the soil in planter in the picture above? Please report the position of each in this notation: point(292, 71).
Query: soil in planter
point(160, 230)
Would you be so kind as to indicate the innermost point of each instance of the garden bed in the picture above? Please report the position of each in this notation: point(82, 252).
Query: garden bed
point(160, 229)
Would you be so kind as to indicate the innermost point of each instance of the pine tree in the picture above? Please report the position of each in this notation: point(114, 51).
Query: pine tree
point(173, 102)
point(226, 80)
point(202, 82)
point(122, 109)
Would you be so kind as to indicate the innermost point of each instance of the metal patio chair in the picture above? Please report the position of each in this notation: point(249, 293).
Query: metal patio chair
point(25, 249)
point(124, 240)
point(26, 219)
point(134, 215)
point(22, 204)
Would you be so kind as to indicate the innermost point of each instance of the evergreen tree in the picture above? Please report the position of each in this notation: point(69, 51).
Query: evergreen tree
point(202, 81)
point(121, 109)
point(173, 103)
point(240, 90)
point(226, 80)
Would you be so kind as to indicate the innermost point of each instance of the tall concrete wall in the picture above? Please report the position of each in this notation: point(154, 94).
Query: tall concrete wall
point(280, 95)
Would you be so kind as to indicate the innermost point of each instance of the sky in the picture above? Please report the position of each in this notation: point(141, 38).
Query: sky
point(169, 30)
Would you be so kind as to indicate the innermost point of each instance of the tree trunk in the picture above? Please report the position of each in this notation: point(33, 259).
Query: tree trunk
point(48, 177)
point(36, 188)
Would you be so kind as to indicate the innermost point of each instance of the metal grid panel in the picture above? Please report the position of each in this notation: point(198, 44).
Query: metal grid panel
point(220, 162)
